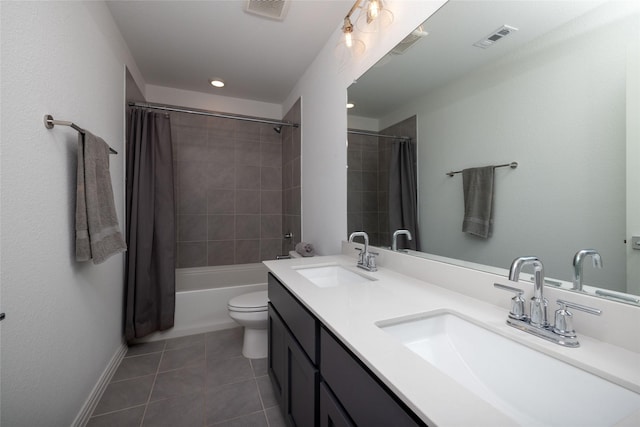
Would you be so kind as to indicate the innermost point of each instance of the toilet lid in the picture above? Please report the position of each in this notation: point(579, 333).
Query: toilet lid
point(253, 301)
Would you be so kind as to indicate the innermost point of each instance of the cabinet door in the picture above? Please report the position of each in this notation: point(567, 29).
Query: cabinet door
point(361, 394)
point(301, 390)
point(277, 354)
point(331, 413)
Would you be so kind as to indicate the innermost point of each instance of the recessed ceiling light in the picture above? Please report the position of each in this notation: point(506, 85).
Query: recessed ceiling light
point(216, 82)
point(350, 105)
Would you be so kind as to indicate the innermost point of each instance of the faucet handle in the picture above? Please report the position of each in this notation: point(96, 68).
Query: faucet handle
point(371, 261)
point(564, 318)
point(517, 302)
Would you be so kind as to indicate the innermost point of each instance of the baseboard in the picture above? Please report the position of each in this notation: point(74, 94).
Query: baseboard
point(94, 397)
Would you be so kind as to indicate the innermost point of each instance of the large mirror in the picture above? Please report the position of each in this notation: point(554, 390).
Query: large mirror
point(557, 92)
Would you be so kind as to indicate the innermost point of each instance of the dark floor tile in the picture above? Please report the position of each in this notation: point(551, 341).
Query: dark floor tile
point(179, 382)
point(274, 416)
point(145, 348)
point(137, 366)
point(266, 392)
point(227, 371)
point(125, 394)
point(182, 357)
point(224, 344)
point(232, 401)
point(182, 411)
point(259, 367)
point(257, 419)
point(126, 418)
point(180, 342)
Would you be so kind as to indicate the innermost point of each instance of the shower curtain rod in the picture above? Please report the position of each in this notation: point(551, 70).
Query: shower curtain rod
point(359, 132)
point(209, 114)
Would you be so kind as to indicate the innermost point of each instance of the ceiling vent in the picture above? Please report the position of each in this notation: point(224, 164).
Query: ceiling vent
point(415, 36)
point(498, 34)
point(272, 9)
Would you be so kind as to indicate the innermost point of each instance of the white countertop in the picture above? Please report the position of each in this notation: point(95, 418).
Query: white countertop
point(351, 312)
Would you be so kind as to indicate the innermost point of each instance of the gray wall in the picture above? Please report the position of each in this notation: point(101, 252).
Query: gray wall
point(228, 177)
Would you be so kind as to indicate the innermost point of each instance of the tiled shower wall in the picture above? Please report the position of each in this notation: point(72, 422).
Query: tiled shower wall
point(368, 160)
point(291, 188)
point(228, 177)
point(363, 202)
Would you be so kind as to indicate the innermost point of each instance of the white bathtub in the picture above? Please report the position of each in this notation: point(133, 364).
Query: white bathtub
point(202, 294)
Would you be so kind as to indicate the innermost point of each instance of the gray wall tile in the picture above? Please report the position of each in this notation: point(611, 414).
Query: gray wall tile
point(221, 227)
point(192, 254)
point(221, 201)
point(192, 228)
point(221, 252)
point(247, 227)
point(247, 201)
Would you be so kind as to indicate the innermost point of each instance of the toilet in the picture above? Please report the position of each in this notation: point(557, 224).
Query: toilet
point(250, 310)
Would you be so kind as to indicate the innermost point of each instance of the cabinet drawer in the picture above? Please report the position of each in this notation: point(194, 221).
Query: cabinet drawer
point(366, 400)
point(301, 322)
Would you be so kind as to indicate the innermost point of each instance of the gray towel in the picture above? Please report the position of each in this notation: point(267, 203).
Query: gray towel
point(305, 249)
point(97, 232)
point(477, 185)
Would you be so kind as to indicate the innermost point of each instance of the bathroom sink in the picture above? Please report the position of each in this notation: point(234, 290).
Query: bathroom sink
point(324, 276)
point(533, 388)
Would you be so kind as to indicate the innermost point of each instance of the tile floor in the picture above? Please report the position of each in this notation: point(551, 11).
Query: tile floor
point(198, 380)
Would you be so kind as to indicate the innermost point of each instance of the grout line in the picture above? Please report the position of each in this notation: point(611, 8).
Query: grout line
point(146, 405)
point(116, 410)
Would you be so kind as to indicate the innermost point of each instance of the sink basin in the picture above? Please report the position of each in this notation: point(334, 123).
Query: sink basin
point(533, 388)
point(325, 276)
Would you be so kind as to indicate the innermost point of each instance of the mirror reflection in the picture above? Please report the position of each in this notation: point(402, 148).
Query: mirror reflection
point(552, 86)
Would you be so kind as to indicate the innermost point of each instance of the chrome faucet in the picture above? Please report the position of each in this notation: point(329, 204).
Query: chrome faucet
point(366, 259)
point(578, 261)
point(538, 303)
point(536, 323)
point(394, 241)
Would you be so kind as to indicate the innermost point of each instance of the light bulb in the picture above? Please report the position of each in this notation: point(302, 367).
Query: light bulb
point(348, 39)
point(373, 11)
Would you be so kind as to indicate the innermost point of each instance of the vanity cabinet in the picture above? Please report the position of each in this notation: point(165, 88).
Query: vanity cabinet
point(292, 362)
point(317, 380)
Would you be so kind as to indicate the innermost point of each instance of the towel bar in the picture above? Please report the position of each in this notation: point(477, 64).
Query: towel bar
point(49, 123)
point(512, 165)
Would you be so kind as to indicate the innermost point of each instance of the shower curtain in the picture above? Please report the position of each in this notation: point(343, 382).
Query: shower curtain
point(150, 265)
point(403, 192)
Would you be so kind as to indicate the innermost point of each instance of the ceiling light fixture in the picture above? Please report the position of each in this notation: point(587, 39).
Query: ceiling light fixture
point(216, 82)
point(373, 10)
point(347, 29)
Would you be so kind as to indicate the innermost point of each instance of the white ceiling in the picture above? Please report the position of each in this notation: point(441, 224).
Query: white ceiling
point(447, 53)
point(181, 44)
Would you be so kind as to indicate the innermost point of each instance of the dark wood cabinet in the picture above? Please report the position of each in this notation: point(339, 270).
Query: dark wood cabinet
point(318, 381)
point(331, 412)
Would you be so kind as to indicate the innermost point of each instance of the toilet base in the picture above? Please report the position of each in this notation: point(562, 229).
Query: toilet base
point(255, 343)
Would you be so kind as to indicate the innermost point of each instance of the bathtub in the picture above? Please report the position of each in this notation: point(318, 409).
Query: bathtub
point(202, 294)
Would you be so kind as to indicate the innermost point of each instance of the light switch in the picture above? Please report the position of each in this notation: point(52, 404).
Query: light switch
point(635, 242)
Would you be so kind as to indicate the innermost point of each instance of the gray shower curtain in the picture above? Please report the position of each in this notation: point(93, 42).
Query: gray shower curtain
point(150, 268)
point(403, 192)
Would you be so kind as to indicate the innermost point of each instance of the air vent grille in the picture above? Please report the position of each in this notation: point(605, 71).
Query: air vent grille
point(272, 9)
point(496, 35)
point(415, 36)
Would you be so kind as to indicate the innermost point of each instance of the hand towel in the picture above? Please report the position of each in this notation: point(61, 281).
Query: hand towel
point(477, 184)
point(97, 232)
point(305, 249)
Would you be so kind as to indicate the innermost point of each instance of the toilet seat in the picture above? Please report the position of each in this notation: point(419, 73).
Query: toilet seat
point(249, 303)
